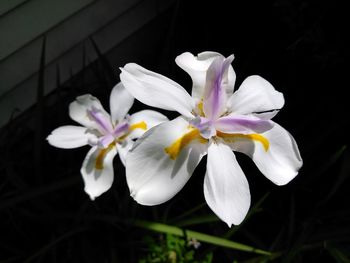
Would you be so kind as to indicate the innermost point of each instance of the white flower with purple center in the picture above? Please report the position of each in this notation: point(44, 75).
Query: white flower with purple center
point(214, 121)
point(107, 134)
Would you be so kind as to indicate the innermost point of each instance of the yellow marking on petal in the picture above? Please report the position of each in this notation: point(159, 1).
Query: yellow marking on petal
point(122, 138)
point(200, 108)
point(140, 125)
point(230, 138)
point(101, 155)
point(175, 148)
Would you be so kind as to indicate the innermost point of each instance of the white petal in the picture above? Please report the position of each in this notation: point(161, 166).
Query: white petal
point(79, 111)
point(226, 188)
point(255, 95)
point(148, 117)
point(156, 90)
point(153, 177)
point(266, 115)
point(281, 162)
point(197, 66)
point(68, 137)
point(230, 82)
point(123, 149)
point(97, 171)
point(120, 102)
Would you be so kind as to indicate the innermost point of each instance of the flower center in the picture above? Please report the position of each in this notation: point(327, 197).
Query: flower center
point(139, 125)
point(110, 140)
point(207, 127)
point(202, 129)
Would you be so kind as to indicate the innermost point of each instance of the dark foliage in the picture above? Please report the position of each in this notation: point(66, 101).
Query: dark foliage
point(299, 46)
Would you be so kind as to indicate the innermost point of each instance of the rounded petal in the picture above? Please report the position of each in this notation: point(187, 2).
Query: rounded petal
point(123, 149)
point(120, 102)
point(88, 111)
point(153, 175)
point(68, 137)
point(226, 188)
point(197, 66)
point(97, 170)
point(144, 120)
point(280, 162)
point(255, 95)
point(156, 90)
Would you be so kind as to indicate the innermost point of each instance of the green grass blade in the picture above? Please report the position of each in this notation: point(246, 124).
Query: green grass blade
point(162, 228)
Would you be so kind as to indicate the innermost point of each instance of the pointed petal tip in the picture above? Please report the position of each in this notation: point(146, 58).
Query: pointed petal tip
point(91, 196)
point(122, 69)
point(140, 199)
point(134, 196)
point(50, 139)
point(235, 222)
point(231, 223)
point(230, 58)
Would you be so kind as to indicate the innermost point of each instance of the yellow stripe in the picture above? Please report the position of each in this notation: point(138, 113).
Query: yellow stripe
point(230, 138)
point(140, 125)
point(175, 148)
point(101, 155)
point(200, 108)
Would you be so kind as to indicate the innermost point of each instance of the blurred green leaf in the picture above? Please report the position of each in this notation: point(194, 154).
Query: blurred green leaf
point(337, 254)
point(162, 228)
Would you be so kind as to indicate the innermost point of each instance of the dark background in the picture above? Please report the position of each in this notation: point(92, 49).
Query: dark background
point(298, 46)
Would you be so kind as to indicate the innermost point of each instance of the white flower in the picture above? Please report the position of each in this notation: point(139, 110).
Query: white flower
point(214, 121)
point(107, 134)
